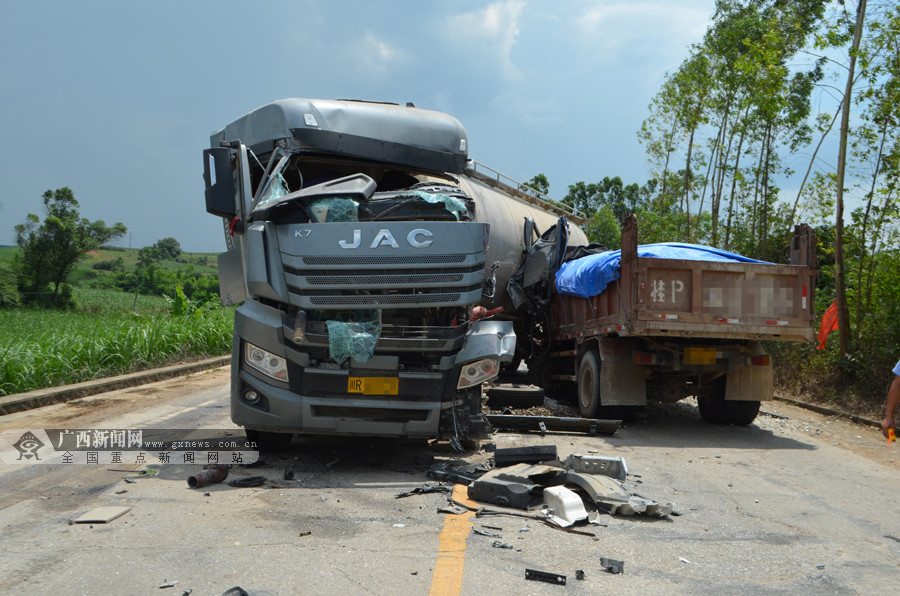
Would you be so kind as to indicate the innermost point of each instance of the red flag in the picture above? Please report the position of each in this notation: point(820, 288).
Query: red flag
point(829, 324)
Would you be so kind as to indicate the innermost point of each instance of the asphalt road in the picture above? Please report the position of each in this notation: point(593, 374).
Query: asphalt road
point(797, 503)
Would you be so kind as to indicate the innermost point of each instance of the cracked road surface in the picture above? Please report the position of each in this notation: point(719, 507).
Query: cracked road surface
point(799, 504)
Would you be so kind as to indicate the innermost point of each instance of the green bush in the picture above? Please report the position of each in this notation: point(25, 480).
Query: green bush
point(9, 292)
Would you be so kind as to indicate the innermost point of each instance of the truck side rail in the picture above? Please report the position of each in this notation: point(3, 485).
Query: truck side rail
point(495, 179)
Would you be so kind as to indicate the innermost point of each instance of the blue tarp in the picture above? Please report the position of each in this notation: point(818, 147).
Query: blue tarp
point(589, 276)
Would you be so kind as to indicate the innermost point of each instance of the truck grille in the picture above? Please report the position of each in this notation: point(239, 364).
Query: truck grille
point(392, 278)
point(392, 344)
point(398, 300)
point(424, 264)
point(329, 261)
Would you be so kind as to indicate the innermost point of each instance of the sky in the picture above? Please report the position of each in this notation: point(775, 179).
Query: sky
point(116, 100)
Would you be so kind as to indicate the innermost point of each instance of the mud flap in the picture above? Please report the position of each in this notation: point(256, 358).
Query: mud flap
point(750, 383)
point(622, 383)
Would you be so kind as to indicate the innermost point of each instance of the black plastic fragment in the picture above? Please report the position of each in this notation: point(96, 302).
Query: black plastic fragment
point(524, 455)
point(543, 576)
point(247, 482)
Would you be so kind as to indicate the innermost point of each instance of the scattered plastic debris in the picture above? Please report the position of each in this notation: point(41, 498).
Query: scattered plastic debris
point(543, 576)
point(613, 565)
point(247, 482)
point(101, 515)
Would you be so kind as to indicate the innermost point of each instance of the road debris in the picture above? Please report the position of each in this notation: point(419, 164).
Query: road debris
point(168, 584)
point(549, 423)
point(453, 510)
point(524, 455)
point(487, 533)
point(612, 565)
point(101, 515)
point(564, 506)
point(614, 467)
point(498, 544)
point(543, 576)
point(211, 474)
point(248, 482)
point(425, 489)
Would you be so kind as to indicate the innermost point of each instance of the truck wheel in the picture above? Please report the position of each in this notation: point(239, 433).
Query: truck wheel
point(744, 412)
point(716, 410)
point(269, 442)
point(515, 395)
point(589, 384)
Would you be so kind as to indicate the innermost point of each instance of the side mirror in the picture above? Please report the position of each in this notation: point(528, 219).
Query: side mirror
point(219, 174)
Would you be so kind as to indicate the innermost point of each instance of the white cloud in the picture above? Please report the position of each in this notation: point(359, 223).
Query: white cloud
point(375, 54)
point(626, 31)
point(491, 33)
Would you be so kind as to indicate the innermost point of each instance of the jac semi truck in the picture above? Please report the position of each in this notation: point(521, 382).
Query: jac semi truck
point(371, 259)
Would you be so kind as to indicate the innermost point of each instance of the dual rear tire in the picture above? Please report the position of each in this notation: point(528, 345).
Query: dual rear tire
point(715, 409)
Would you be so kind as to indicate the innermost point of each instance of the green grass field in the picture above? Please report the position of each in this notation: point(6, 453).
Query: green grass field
point(110, 333)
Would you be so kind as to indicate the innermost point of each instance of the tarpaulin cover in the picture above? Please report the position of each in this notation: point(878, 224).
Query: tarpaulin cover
point(589, 276)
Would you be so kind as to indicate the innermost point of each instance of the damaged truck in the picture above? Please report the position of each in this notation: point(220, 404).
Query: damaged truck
point(663, 322)
point(370, 258)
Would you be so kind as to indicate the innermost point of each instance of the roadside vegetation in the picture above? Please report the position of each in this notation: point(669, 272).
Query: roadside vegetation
point(73, 309)
point(104, 337)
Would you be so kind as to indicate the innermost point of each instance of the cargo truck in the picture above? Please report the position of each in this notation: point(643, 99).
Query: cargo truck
point(371, 259)
point(668, 328)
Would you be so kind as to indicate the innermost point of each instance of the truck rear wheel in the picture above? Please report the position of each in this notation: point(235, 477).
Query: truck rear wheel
point(589, 384)
point(715, 409)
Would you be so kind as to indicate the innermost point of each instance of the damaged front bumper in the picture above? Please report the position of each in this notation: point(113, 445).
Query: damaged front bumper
point(382, 396)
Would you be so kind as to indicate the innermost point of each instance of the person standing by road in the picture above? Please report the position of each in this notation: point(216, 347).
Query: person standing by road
point(887, 425)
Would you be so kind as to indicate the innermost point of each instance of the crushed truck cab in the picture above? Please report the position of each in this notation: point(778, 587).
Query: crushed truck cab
point(370, 259)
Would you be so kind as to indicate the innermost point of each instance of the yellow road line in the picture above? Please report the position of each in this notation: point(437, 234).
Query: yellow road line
point(448, 569)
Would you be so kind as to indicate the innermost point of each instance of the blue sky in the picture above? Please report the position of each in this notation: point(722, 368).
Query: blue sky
point(116, 100)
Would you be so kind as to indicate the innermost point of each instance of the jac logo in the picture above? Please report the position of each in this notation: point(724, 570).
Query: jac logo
point(418, 238)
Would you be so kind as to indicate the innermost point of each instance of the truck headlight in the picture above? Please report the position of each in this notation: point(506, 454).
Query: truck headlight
point(265, 362)
point(476, 373)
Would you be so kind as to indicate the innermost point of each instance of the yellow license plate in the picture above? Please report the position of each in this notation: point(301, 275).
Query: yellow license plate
point(373, 385)
point(702, 356)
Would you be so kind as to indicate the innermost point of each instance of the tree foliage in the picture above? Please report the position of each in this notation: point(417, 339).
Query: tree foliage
point(51, 249)
point(168, 248)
